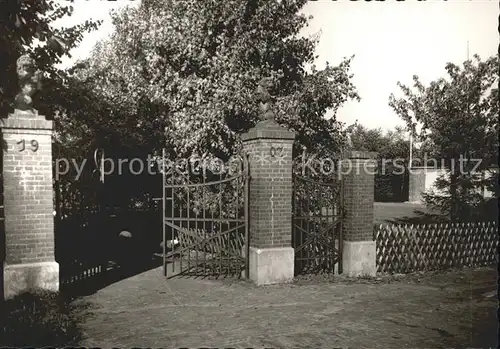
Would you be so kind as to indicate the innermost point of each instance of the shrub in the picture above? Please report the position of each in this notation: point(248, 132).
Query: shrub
point(38, 319)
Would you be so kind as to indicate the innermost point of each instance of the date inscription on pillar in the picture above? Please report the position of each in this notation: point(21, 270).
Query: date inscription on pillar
point(32, 145)
point(276, 151)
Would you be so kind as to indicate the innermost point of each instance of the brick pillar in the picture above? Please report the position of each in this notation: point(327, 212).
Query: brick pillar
point(359, 254)
point(28, 204)
point(271, 256)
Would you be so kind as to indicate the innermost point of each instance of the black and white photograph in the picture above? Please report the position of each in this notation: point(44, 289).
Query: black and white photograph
point(249, 174)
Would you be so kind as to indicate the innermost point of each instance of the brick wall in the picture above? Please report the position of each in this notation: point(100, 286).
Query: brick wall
point(27, 189)
point(359, 190)
point(270, 206)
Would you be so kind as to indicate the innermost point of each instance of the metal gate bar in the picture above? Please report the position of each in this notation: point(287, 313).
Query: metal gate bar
point(317, 234)
point(216, 248)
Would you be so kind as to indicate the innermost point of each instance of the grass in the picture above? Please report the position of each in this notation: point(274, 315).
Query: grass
point(40, 318)
point(413, 213)
point(400, 212)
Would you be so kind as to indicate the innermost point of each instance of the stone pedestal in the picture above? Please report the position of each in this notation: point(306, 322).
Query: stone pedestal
point(271, 265)
point(28, 204)
point(269, 147)
point(359, 258)
point(416, 185)
point(359, 249)
point(19, 278)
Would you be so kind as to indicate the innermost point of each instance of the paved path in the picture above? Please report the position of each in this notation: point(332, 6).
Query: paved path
point(450, 310)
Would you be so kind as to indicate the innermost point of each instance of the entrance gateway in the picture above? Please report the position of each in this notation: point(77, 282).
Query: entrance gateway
point(317, 217)
point(206, 218)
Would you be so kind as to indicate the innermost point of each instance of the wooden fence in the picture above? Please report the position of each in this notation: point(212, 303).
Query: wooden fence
point(426, 247)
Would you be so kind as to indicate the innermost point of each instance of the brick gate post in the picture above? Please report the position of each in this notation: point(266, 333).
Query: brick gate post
point(359, 253)
point(28, 204)
point(271, 256)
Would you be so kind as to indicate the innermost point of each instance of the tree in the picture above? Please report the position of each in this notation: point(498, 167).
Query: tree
point(459, 118)
point(26, 27)
point(183, 74)
point(392, 149)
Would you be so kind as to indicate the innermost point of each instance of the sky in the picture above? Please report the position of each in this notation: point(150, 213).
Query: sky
point(391, 41)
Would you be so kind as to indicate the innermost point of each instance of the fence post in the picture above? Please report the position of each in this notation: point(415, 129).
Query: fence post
point(271, 256)
point(359, 249)
point(28, 197)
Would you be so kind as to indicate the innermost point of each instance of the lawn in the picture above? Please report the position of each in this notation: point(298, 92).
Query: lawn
point(385, 212)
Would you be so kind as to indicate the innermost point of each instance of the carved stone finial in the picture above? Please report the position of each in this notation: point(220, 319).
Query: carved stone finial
point(349, 141)
point(264, 97)
point(29, 82)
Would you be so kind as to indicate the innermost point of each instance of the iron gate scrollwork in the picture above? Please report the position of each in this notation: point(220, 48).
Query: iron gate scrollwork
point(205, 213)
point(317, 216)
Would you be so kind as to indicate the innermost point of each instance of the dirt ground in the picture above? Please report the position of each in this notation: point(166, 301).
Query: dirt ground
point(455, 309)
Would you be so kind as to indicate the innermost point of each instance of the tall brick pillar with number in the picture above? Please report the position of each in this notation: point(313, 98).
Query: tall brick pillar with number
point(359, 253)
point(271, 256)
point(27, 192)
point(269, 148)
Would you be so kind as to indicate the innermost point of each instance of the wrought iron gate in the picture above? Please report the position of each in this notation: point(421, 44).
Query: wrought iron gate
point(205, 217)
point(317, 217)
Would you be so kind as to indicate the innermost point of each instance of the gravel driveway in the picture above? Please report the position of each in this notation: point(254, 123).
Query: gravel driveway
point(455, 309)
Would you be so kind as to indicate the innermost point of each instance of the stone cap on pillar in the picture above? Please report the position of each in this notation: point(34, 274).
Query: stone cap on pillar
point(357, 154)
point(268, 129)
point(26, 119)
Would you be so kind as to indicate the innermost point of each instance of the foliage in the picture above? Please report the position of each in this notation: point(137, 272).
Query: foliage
point(392, 147)
point(27, 27)
point(459, 118)
point(183, 74)
point(40, 318)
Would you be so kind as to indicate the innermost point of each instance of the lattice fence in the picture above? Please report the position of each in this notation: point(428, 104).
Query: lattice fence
point(409, 248)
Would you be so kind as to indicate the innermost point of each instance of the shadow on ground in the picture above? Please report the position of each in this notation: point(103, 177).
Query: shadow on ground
point(107, 274)
point(108, 248)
